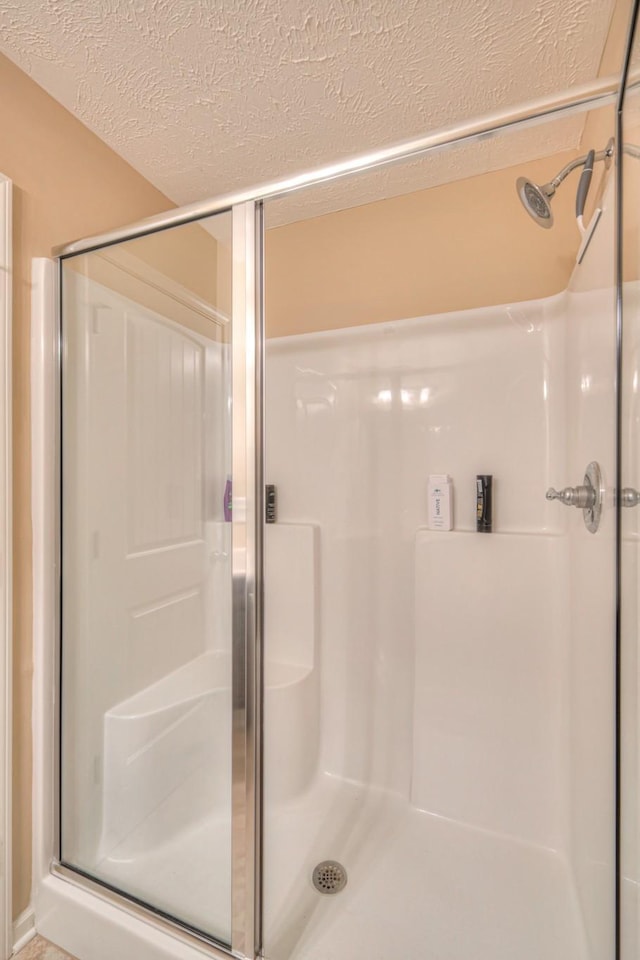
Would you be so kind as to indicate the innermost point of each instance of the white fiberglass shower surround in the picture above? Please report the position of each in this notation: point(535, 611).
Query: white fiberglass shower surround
point(280, 710)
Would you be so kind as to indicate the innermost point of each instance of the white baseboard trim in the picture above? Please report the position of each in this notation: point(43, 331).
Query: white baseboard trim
point(24, 929)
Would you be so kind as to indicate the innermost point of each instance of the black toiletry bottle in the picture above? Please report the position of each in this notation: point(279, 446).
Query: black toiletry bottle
point(484, 502)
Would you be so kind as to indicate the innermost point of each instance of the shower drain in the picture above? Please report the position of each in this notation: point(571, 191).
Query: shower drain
point(329, 877)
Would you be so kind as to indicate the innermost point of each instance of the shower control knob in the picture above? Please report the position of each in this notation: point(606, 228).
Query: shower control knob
point(582, 497)
point(588, 497)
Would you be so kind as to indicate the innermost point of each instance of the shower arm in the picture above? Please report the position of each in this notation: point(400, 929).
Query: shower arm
point(605, 154)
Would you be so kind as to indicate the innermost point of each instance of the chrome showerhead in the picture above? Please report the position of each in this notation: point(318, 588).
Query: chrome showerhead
point(536, 200)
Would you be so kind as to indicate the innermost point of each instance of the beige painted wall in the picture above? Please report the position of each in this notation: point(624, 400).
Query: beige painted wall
point(631, 194)
point(183, 274)
point(455, 246)
point(186, 254)
point(67, 184)
point(459, 245)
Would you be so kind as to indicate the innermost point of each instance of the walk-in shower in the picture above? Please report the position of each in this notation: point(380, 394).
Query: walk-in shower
point(337, 727)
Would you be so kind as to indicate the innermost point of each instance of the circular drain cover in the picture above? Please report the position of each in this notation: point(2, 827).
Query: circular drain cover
point(329, 877)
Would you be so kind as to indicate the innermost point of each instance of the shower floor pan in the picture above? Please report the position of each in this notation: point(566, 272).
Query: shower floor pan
point(420, 887)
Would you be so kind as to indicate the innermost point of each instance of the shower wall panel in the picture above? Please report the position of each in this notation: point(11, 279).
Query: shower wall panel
point(490, 725)
point(591, 415)
point(630, 519)
point(630, 614)
point(356, 422)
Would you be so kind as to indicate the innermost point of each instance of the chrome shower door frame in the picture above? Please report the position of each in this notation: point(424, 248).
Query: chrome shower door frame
point(248, 511)
point(247, 326)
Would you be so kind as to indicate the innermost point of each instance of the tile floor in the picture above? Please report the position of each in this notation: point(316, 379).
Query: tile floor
point(39, 949)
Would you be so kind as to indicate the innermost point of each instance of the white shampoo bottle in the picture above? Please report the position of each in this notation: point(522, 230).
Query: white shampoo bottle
point(440, 502)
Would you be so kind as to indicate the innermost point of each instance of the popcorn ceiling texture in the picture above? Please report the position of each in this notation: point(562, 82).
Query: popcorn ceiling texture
point(205, 97)
point(452, 164)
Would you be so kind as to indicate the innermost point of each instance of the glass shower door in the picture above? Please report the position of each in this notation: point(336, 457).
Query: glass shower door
point(629, 660)
point(151, 554)
point(439, 693)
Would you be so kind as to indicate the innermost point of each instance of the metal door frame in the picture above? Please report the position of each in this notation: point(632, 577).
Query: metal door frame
point(247, 324)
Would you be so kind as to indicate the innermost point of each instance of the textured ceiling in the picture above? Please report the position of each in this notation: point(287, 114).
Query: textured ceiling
point(205, 96)
point(507, 148)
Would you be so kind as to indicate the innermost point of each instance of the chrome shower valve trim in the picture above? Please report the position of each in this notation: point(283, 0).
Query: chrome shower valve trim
point(583, 497)
point(587, 497)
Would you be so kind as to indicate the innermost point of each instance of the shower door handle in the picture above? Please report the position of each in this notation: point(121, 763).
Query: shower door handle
point(629, 497)
point(587, 497)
